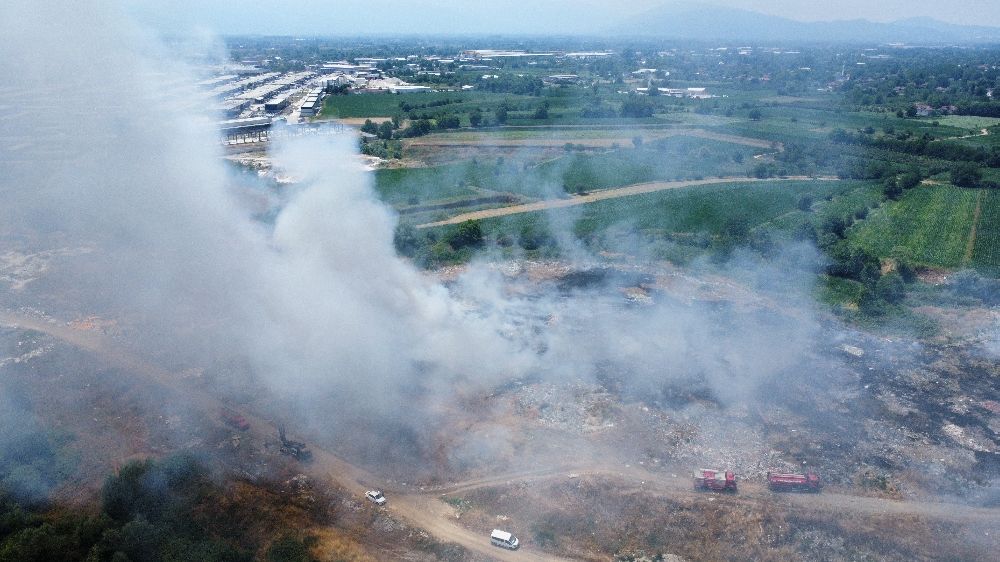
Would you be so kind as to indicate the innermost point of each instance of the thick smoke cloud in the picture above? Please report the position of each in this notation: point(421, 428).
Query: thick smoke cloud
point(321, 303)
point(105, 146)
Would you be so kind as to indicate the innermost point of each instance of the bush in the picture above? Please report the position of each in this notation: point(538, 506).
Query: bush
point(966, 174)
point(891, 188)
point(289, 549)
point(891, 288)
point(469, 234)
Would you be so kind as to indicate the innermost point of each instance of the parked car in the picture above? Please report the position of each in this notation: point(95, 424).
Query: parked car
point(376, 497)
point(503, 539)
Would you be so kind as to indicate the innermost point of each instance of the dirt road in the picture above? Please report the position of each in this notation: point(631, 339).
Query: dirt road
point(627, 191)
point(666, 485)
point(425, 510)
point(601, 140)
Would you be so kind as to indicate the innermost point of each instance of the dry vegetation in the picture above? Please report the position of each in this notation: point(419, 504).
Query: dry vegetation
point(595, 518)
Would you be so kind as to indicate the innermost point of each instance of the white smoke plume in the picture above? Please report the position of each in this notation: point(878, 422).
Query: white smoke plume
point(106, 145)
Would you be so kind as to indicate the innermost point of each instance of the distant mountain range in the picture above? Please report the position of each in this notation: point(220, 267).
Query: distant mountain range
point(692, 21)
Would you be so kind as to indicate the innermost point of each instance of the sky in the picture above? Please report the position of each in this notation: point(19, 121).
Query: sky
point(554, 17)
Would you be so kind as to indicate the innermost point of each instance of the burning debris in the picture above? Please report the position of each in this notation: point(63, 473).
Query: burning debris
point(295, 449)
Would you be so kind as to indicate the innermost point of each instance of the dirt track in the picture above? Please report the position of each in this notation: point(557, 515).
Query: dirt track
point(636, 189)
point(485, 140)
point(663, 484)
point(423, 509)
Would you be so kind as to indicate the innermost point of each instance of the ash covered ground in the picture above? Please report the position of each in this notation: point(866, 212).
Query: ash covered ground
point(872, 414)
point(878, 416)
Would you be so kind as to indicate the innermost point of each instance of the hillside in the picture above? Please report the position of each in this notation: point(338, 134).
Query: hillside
point(695, 21)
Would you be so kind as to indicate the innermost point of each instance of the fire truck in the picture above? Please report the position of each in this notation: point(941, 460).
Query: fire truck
point(714, 480)
point(786, 482)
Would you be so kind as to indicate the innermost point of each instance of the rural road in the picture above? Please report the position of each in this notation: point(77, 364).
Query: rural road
point(425, 510)
point(627, 191)
point(662, 483)
point(490, 140)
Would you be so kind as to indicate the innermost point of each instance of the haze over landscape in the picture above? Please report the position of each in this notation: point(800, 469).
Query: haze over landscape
point(513, 17)
point(551, 280)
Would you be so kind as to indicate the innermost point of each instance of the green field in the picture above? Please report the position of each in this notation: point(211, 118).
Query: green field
point(411, 186)
point(791, 123)
point(847, 203)
point(986, 251)
point(670, 158)
point(968, 121)
point(386, 105)
point(707, 210)
point(930, 224)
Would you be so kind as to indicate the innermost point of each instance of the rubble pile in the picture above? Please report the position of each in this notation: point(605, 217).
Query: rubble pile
point(577, 408)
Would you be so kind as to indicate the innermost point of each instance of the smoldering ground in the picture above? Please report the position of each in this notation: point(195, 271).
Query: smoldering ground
point(317, 308)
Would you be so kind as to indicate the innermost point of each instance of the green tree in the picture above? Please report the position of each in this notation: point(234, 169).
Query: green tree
point(501, 113)
point(638, 107)
point(385, 130)
point(910, 179)
point(891, 288)
point(543, 111)
point(966, 174)
point(466, 234)
point(891, 188)
point(476, 117)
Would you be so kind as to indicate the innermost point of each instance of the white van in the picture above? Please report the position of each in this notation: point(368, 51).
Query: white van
point(503, 539)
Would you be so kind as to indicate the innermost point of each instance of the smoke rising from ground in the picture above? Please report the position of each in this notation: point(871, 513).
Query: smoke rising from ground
point(104, 149)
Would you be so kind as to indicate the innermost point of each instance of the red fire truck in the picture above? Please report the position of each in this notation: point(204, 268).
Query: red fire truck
point(714, 480)
point(786, 482)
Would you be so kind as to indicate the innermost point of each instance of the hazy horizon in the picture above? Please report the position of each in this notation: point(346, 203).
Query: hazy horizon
point(509, 17)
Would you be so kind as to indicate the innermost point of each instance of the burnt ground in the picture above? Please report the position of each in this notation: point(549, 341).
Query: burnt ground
point(874, 415)
point(597, 518)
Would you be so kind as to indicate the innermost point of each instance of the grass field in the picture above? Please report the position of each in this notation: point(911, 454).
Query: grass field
point(671, 158)
point(488, 137)
point(689, 211)
point(931, 224)
point(411, 186)
point(801, 124)
point(986, 249)
point(968, 121)
point(847, 203)
point(381, 105)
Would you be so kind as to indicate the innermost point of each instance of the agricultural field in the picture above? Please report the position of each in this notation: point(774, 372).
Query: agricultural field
point(791, 123)
point(986, 247)
point(848, 203)
point(687, 214)
point(968, 121)
point(401, 186)
point(930, 224)
point(387, 104)
point(669, 158)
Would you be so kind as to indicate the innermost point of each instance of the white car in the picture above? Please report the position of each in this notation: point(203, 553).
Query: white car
point(503, 539)
point(376, 497)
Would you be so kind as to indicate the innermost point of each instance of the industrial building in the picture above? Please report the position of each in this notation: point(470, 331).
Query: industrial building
point(232, 107)
point(237, 131)
point(276, 104)
point(313, 103)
